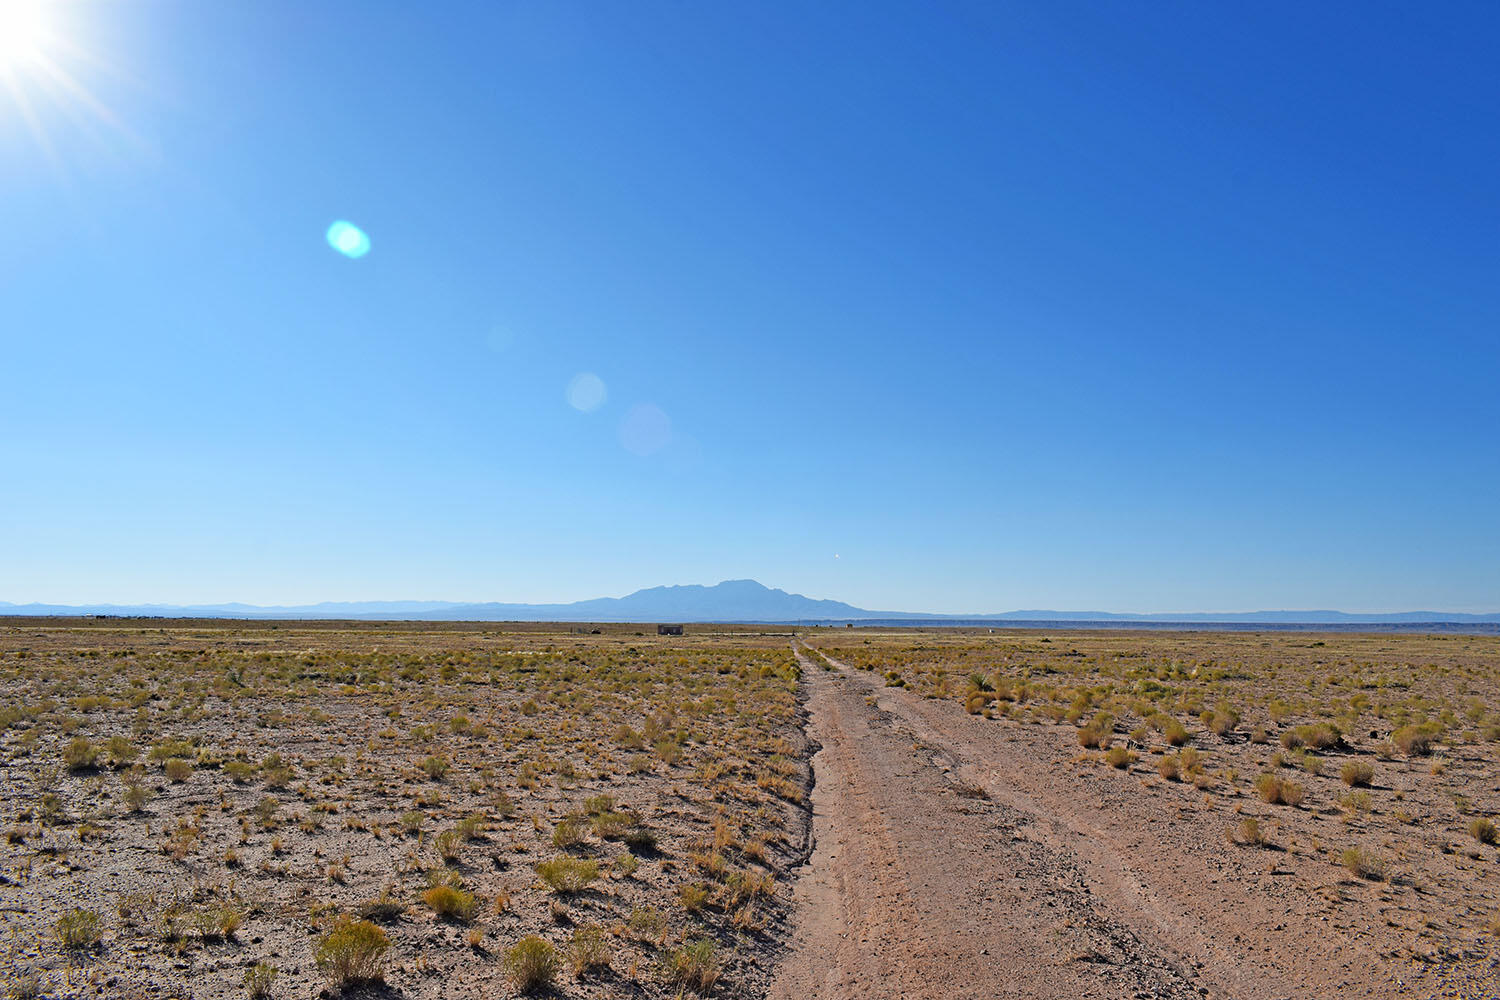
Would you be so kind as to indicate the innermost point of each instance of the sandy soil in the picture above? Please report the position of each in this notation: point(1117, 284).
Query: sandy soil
point(960, 858)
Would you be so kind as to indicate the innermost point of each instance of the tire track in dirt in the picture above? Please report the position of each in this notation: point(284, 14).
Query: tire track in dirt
point(919, 885)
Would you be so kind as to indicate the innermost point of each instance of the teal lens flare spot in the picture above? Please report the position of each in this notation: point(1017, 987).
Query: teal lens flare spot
point(348, 239)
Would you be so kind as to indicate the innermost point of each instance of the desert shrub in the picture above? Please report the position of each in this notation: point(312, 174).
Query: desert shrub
point(239, 771)
point(471, 827)
point(1483, 830)
point(80, 755)
point(1119, 757)
point(569, 832)
point(694, 897)
point(588, 950)
point(383, 908)
point(79, 929)
point(694, 965)
point(1168, 767)
point(1273, 789)
point(1175, 733)
point(1223, 720)
point(435, 767)
point(178, 770)
point(1364, 863)
point(411, 822)
point(1357, 772)
point(531, 964)
point(1416, 740)
point(453, 903)
point(568, 875)
point(1098, 731)
point(612, 825)
point(352, 952)
point(449, 846)
point(258, 980)
point(648, 922)
point(640, 839)
point(1249, 832)
point(137, 796)
point(1314, 735)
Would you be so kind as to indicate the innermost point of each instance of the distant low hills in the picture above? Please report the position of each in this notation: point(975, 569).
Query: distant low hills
point(731, 601)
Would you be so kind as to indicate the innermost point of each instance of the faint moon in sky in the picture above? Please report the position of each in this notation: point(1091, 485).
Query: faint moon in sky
point(586, 392)
point(645, 429)
point(348, 239)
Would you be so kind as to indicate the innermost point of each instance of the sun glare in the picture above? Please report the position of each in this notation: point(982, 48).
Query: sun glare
point(22, 30)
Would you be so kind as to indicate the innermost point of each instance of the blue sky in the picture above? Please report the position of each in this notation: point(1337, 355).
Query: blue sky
point(950, 307)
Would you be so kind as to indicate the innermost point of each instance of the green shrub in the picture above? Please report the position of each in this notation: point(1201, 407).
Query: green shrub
point(1357, 772)
point(178, 770)
point(531, 964)
point(450, 902)
point(568, 875)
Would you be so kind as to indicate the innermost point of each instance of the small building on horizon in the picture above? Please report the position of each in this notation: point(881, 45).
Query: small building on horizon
point(669, 630)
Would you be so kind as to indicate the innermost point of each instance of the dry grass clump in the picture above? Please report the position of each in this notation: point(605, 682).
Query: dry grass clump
point(259, 979)
point(1314, 736)
point(567, 875)
point(1483, 830)
point(451, 902)
point(588, 950)
point(80, 755)
point(1119, 757)
point(79, 929)
point(1416, 740)
point(1357, 772)
point(1249, 832)
point(1364, 863)
point(1274, 789)
point(694, 966)
point(531, 964)
point(1098, 730)
point(353, 952)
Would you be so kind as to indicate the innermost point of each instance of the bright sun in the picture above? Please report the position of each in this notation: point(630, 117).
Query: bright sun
point(22, 30)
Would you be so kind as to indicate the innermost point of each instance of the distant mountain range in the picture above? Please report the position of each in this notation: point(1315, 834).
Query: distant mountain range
point(731, 601)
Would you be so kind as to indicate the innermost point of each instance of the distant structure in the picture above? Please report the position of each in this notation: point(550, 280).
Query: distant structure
point(669, 630)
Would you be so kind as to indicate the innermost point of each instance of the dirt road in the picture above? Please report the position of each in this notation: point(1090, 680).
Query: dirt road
point(958, 858)
point(921, 886)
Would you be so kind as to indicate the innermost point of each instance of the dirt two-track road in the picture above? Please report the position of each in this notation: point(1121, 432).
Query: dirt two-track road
point(957, 858)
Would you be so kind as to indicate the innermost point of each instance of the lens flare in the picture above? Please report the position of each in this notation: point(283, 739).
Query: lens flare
point(348, 239)
point(645, 429)
point(586, 392)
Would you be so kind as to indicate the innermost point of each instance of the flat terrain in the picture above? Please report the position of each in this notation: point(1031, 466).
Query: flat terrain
point(1008, 814)
point(187, 801)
